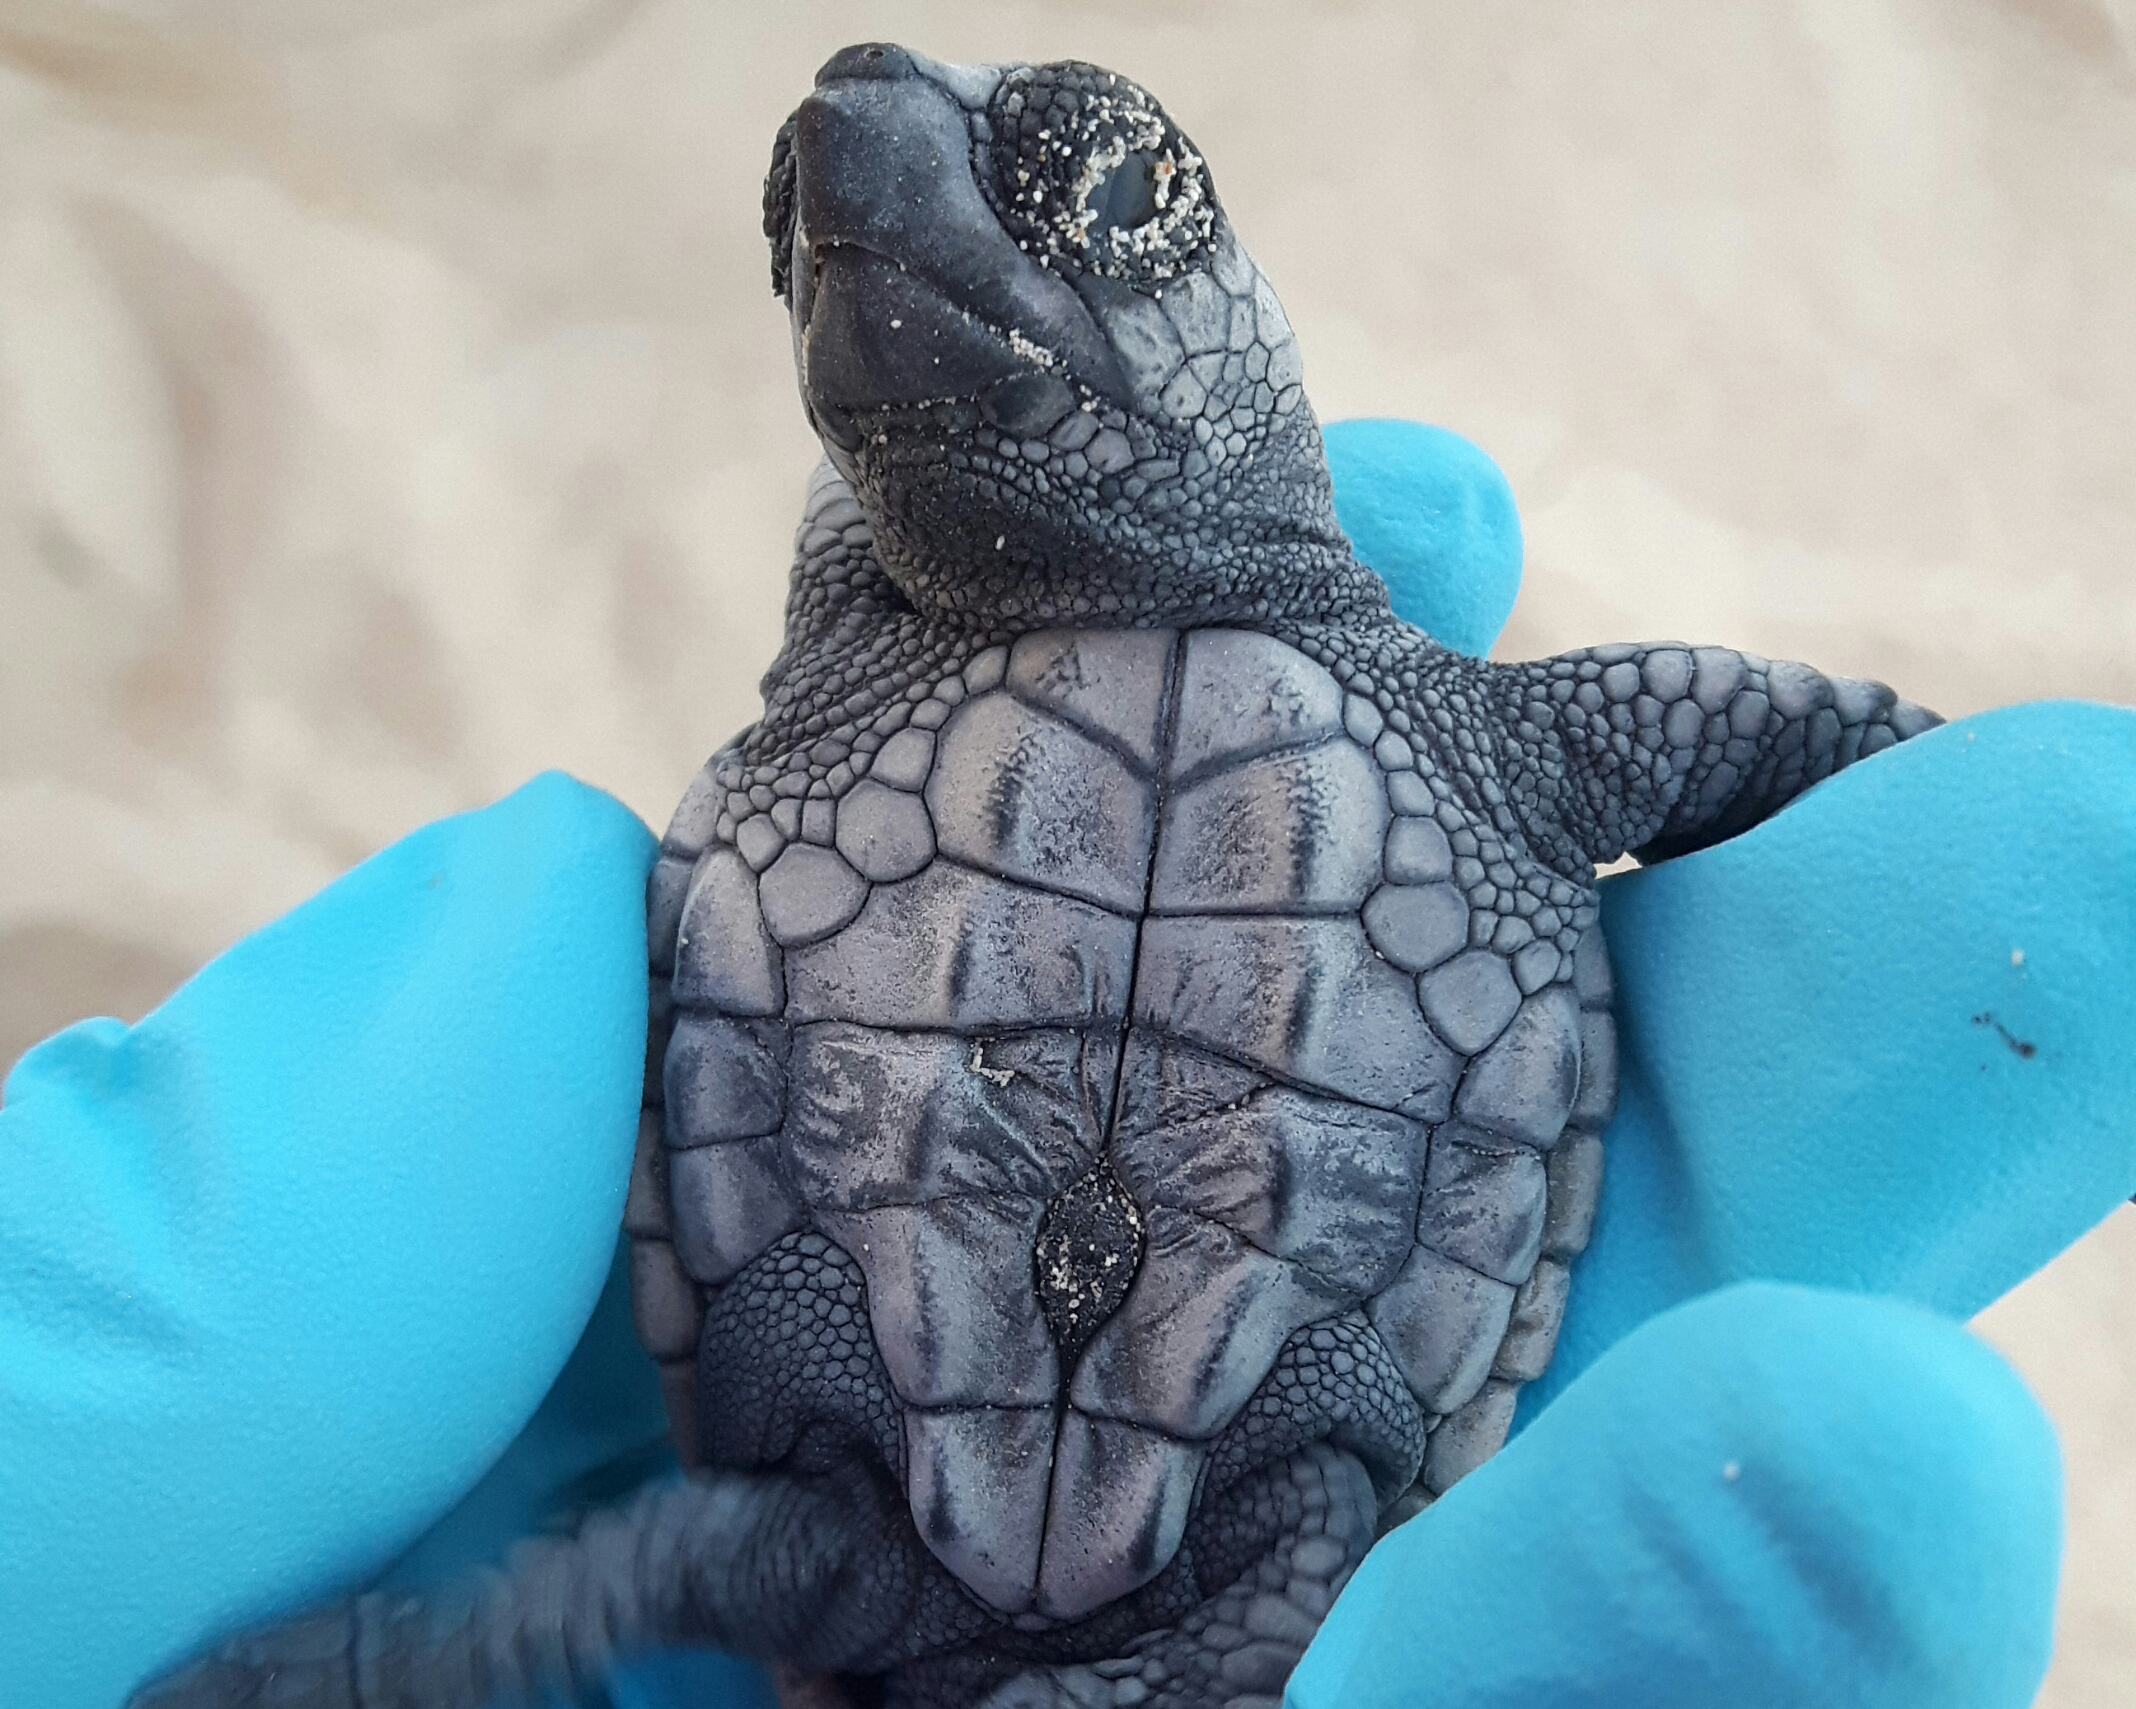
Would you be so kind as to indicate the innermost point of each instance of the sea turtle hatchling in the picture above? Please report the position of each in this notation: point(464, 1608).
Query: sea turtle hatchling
point(1133, 1037)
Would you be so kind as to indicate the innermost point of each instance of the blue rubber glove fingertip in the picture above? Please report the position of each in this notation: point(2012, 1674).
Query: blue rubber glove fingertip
point(286, 1265)
point(1878, 1042)
point(1434, 516)
point(1770, 1496)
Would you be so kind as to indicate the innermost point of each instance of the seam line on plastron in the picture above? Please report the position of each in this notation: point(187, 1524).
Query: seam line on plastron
point(1167, 719)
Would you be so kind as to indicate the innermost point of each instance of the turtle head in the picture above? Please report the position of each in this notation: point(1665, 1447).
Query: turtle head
point(1027, 335)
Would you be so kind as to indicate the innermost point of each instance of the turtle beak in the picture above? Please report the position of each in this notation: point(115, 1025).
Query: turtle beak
point(905, 288)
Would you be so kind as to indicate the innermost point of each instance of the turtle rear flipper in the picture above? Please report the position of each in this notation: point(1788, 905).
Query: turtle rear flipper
point(766, 1564)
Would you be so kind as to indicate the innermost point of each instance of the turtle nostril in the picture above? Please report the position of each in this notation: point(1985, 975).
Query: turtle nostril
point(867, 59)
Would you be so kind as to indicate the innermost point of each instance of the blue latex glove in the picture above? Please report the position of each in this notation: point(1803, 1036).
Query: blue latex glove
point(283, 1268)
point(1433, 515)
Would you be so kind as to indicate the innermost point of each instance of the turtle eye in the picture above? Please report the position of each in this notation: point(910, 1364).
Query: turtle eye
point(1126, 197)
point(1089, 174)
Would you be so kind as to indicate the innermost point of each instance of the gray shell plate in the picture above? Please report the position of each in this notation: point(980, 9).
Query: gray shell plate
point(1171, 922)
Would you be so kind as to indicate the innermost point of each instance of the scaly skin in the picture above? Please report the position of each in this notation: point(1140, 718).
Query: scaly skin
point(1131, 1039)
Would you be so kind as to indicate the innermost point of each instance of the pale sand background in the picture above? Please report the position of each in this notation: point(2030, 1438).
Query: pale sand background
point(392, 404)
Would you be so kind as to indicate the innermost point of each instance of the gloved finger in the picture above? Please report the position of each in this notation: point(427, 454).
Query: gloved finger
point(599, 1432)
point(1772, 1498)
point(1881, 1041)
point(285, 1266)
point(1431, 513)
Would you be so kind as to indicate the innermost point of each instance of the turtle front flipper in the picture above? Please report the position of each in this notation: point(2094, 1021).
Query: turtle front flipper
point(770, 1565)
point(1659, 750)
